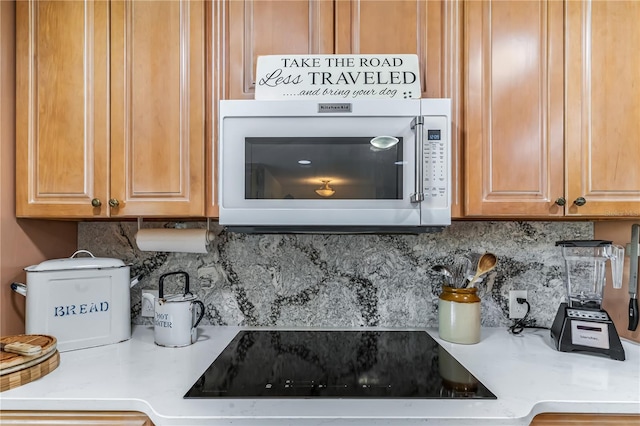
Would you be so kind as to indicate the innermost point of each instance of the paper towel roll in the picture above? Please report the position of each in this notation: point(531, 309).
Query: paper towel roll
point(174, 240)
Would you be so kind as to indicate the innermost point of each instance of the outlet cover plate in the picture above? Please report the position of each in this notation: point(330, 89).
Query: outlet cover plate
point(517, 310)
point(148, 309)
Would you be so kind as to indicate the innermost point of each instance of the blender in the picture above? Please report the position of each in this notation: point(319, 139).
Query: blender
point(581, 325)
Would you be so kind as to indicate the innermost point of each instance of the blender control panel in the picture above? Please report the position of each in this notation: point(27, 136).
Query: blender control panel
point(587, 315)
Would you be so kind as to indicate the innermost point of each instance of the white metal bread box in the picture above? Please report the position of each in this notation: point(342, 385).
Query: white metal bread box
point(81, 301)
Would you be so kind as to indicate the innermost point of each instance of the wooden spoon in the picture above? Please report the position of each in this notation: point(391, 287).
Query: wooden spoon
point(486, 263)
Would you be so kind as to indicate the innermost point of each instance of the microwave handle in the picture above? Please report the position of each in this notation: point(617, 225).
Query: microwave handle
point(418, 195)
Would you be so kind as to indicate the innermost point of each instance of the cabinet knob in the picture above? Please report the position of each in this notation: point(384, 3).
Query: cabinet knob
point(113, 202)
point(561, 201)
point(580, 201)
point(96, 202)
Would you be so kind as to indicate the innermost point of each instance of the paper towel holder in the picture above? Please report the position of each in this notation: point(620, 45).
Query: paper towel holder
point(177, 239)
point(208, 224)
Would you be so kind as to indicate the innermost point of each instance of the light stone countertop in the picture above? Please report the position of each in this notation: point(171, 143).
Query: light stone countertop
point(526, 374)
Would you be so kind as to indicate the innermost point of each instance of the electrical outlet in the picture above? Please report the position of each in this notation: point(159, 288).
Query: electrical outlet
point(148, 308)
point(517, 310)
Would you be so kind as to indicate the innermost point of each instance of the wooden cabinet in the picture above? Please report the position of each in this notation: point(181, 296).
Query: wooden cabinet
point(117, 102)
point(513, 53)
point(342, 27)
point(62, 108)
point(603, 108)
point(110, 109)
point(389, 27)
point(575, 419)
point(75, 418)
point(552, 96)
point(282, 27)
point(157, 107)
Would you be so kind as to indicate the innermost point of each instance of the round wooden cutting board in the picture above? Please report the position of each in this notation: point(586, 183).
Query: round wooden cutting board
point(16, 370)
point(10, 362)
point(29, 374)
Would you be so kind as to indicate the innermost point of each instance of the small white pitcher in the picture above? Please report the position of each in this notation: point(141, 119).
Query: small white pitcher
point(175, 319)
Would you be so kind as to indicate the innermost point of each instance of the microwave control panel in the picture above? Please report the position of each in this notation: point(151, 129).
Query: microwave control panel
point(436, 162)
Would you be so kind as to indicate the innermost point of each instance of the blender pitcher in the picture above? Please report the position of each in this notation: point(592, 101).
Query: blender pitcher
point(585, 270)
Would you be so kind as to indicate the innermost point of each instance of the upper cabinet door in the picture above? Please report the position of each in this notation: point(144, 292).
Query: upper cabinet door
point(603, 108)
point(401, 26)
point(62, 108)
point(157, 108)
point(275, 27)
point(514, 108)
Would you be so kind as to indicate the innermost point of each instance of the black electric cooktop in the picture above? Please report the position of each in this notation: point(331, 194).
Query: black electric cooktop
point(336, 364)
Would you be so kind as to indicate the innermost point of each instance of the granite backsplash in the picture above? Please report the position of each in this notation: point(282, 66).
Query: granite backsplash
point(346, 280)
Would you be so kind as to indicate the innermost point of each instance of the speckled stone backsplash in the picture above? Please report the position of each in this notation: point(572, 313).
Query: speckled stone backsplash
point(346, 280)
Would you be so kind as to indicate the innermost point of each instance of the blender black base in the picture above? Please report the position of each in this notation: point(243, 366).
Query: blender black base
point(573, 326)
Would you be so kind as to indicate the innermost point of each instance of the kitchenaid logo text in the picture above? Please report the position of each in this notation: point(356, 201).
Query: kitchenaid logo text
point(162, 320)
point(339, 76)
point(82, 309)
point(334, 107)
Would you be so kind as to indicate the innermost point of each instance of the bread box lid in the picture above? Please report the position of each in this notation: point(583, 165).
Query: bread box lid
point(74, 263)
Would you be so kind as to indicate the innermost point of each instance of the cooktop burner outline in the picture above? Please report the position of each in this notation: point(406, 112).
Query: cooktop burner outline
point(336, 364)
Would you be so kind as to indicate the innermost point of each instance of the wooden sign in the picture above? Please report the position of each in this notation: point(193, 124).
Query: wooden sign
point(337, 77)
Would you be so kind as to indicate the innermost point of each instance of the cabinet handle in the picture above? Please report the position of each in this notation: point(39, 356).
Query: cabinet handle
point(561, 201)
point(580, 201)
point(113, 202)
point(96, 202)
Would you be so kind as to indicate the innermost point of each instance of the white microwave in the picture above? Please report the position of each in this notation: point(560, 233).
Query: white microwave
point(377, 166)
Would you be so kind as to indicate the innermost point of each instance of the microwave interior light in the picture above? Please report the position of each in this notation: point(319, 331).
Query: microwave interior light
point(384, 142)
point(304, 162)
point(325, 190)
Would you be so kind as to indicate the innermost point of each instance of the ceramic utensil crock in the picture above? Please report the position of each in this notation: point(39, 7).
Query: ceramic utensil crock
point(459, 315)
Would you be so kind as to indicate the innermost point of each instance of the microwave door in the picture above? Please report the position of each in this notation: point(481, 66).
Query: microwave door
point(307, 171)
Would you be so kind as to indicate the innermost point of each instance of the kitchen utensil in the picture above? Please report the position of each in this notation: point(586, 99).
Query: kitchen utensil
point(458, 274)
point(10, 361)
point(458, 270)
point(487, 262)
point(581, 324)
point(175, 318)
point(82, 301)
point(445, 272)
point(442, 270)
point(462, 269)
point(633, 277)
